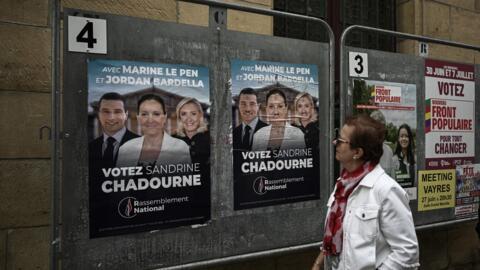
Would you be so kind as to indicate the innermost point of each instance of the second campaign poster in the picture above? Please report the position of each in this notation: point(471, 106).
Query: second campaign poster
point(275, 133)
point(468, 191)
point(394, 105)
point(449, 114)
point(149, 146)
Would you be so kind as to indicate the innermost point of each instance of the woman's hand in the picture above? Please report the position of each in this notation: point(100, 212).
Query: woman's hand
point(318, 264)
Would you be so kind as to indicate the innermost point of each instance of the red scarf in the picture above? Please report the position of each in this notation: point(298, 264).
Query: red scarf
point(346, 183)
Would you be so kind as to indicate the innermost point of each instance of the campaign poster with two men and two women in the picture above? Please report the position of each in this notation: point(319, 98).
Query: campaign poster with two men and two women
point(149, 146)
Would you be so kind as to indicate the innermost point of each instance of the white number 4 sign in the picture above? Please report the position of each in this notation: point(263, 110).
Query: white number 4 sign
point(87, 35)
point(358, 64)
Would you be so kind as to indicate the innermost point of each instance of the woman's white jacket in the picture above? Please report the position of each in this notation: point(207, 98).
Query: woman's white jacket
point(378, 228)
point(174, 151)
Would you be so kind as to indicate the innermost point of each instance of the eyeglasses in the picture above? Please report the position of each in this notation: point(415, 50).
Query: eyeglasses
point(338, 139)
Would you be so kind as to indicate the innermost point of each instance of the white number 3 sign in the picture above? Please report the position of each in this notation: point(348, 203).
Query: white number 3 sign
point(358, 63)
point(87, 35)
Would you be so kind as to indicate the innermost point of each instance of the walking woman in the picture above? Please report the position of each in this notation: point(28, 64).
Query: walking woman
point(369, 224)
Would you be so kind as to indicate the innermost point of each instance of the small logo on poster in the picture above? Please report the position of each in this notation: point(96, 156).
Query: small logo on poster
point(259, 185)
point(125, 207)
point(433, 163)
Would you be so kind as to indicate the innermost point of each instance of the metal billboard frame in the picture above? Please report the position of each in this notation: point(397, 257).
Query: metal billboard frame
point(346, 96)
point(59, 134)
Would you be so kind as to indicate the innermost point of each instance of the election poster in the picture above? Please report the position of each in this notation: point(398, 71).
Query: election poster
point(436, 189)
point(468, 190)
point(395, 106)
point(449, 114)
point(275, 133)
point(149, 146)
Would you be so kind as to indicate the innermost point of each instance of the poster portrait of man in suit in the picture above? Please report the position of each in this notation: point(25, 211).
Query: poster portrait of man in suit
point(103, 151)
point(250, 123)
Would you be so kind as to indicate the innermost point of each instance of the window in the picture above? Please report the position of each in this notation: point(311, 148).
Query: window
point(373, 13)
point(300, 29)
point(340, 15)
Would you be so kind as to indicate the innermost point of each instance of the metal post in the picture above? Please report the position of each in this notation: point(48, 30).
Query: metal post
point(55, 142)
point(244, 257)
point(446, 223)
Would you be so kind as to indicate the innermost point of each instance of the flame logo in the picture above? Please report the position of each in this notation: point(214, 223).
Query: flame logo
point(128, 208)
point(125, 207)
point(259, 185)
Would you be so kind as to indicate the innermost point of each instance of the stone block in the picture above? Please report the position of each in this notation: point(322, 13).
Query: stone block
point(406, 17)
point(464, 26)
point(25, 58)
point(433, 249)
point(437, 20)
point(477, 58)
point(464, 4)
point(463, 244)
point(3, 248)
point(28, 248)
point(25, 186)
point(31, 12)
point(248, 22)
point(254, 3)
point(407, 47)
point(21, 116)
point(195, 14)
point(198, 14)
point(449, 53)
point(165, 10)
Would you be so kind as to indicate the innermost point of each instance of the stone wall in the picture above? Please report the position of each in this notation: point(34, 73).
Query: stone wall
point(24, 159)
point(457, 21)
point(25, 94)
point(25, 106)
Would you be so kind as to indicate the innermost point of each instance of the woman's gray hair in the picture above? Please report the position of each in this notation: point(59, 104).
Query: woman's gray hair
point(180, 128)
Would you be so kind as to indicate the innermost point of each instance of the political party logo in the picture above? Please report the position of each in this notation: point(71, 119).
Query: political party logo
point(387, 94)
point(125, 207)
point(259, 185)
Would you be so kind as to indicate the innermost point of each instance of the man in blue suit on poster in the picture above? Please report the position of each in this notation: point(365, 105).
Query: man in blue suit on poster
point(103, 151)
point(248, 107)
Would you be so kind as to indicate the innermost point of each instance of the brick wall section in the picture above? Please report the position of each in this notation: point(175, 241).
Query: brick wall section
point(28, 248)
point(25, 189)
point(22, 113)
point(24, 159)
point(445, 19)
point(25, 107)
